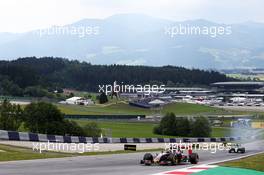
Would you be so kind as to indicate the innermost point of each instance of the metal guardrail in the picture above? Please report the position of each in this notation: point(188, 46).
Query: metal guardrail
point(33, 137)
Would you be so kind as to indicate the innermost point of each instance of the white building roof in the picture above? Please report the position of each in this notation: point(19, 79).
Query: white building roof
point(156, 102)
point(74, 99)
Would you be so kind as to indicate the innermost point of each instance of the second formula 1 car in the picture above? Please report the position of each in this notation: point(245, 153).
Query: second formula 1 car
point(237, 148)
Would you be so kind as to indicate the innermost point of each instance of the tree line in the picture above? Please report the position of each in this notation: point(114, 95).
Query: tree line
point(179, 126)
point(39, 77)
point(42, 117)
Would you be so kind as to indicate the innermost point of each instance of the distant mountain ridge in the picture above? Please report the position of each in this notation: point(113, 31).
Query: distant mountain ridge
point(137, 39)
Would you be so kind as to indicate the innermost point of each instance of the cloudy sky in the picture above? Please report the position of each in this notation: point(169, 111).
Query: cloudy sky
point(25, 15)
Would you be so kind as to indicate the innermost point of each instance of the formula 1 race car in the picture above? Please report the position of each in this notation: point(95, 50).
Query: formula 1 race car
point(170, 158)
point(237, 148)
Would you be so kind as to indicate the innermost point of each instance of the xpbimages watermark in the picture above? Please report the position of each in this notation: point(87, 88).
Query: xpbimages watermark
point(65, 147)
point(188, 30)
point(124, 88)
point(79, 31)
point(212, 146)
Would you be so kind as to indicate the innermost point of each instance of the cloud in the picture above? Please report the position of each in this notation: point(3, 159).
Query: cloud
point(25, 15)
point(142, 50)
point(229, 11)
point(132, 62)
point(111, 49)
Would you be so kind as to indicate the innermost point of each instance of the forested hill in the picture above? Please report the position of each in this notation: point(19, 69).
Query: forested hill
point(22, 75)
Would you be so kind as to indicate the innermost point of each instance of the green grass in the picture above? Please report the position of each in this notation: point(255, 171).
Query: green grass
point(141, 129)
point(125, 129)
point(12, 153)
point(9, 153)
point(253, 162)
point(97, 110)
point(122, 108)
point(186, 108)
point(220, 132)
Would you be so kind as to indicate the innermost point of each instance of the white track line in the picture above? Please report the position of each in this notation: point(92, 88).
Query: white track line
point(209, 165)
point(193, 169)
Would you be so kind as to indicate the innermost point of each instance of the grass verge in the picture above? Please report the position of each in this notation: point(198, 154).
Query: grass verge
point(126, 109)
point(141, 129)
point(253, 162)
point(119, 152)
point(12, 153)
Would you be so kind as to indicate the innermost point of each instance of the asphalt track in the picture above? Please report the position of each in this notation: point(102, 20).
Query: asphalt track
point(118, 164)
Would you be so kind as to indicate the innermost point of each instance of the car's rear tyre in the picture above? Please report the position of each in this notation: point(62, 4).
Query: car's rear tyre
point(242, 151)
point(194, 158)
point(231, 151)
point(148, 159)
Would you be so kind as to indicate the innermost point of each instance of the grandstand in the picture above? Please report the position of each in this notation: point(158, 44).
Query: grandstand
point(248, 86)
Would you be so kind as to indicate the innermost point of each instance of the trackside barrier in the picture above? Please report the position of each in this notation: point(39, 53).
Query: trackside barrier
point(24, 136)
